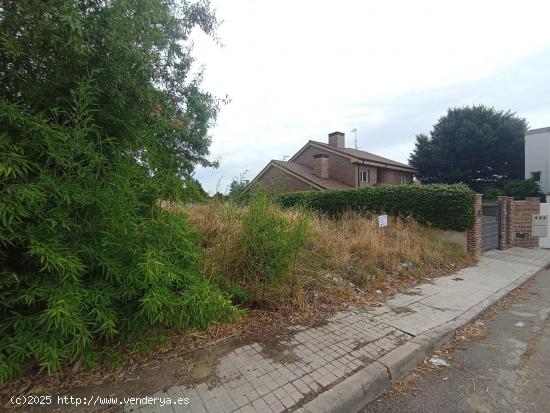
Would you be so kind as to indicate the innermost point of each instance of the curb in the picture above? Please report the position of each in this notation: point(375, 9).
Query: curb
point(365, 386)
point(350, 394)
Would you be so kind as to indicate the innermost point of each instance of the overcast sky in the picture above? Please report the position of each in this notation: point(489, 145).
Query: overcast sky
point(298, 70)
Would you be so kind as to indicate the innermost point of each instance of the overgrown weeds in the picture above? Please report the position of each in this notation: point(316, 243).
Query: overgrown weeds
point(356, 249)
point(271, 258)
point(252, 251)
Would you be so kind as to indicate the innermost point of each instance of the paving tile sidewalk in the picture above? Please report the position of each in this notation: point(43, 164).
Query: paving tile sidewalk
point(313, 360)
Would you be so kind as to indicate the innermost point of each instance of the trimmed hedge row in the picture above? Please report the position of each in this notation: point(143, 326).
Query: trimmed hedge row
point(439, 205)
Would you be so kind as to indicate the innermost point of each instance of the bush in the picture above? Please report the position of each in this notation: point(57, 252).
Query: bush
point(251, 250)
point(522, 189)
point(492, 192)
point(443, 206)
point(85, 257)
point(100, 119)
point(270, 242)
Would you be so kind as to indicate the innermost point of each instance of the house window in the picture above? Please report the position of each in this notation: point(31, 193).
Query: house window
point(404, 179)
point(535, 176)
point(365, 175)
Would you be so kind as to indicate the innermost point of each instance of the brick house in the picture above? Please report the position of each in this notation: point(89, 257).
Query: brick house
point(319, 166)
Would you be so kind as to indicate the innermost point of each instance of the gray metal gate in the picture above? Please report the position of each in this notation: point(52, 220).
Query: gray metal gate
point(490, 229)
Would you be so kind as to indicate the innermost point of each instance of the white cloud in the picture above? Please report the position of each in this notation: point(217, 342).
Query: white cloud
point(297, 70)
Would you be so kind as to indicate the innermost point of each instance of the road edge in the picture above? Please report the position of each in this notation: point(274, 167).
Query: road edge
point(365, 386)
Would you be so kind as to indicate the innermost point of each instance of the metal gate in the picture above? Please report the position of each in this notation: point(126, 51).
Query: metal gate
point(490, 221)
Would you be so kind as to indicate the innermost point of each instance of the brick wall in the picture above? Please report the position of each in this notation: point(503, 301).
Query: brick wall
point(473, 235)
point(505, 219)
point(373, 175)
point(521, 217)
point(391, 176)
point(515, 224)
point(508, 235)
point(275, 179)
point(339, 167)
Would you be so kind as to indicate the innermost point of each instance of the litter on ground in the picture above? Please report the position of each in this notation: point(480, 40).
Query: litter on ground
point(436, 361)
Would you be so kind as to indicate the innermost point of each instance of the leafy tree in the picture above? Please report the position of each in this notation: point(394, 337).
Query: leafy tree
point(194, 191)
point(477, 145)
point(518, 189)
point(236, 187)
point(492, 193)
point(100, 118)
point(521, 189)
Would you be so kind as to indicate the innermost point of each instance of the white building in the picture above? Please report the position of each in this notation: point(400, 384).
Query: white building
point(537, 157)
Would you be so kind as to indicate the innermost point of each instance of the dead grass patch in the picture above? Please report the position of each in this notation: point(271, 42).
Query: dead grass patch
point(343, 257)
point(406, 385)
point(360, 252)
point(474, 332)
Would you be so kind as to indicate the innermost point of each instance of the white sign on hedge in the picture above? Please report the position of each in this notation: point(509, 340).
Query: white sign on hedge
point(382, 221)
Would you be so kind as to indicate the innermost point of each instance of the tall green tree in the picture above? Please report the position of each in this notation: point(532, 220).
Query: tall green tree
point(101, 118)
point(477, 145)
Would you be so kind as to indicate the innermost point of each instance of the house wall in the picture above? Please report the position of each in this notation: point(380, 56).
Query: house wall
point(391, 176)
point(544, 242)
point(339, 167)
point(306, 157)
point(373, 175)
point(537, 156)
point(275, 179)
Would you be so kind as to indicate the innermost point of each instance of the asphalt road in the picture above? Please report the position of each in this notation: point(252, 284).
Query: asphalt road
point(509, 371)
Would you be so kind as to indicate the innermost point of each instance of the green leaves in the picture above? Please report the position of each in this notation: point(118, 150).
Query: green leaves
point(521, 189)
point(443, 206)
point(100, 120)
point(270, 242)
point(476, 145)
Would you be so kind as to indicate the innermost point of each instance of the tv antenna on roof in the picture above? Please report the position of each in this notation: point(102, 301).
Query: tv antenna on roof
point(354, 130)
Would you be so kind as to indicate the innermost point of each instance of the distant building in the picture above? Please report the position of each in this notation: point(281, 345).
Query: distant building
point(537, 157)
point(319, 166)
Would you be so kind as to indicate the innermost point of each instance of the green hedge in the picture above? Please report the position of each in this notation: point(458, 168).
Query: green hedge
point(439, 205)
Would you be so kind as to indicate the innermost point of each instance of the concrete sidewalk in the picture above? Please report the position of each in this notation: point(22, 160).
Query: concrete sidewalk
point(351, 359)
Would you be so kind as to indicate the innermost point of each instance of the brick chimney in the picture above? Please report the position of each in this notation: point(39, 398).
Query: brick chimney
point(337, 139)
point(320, 165)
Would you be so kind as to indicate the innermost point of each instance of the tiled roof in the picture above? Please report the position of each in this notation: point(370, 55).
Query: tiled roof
point(307, 173)
point(367, 156)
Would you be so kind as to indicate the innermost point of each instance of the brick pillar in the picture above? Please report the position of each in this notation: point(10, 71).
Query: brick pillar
point(521, 215)
point(534, 202)
point(509, 226)
point(503, 223)
point(534, 209)
point(473, 235)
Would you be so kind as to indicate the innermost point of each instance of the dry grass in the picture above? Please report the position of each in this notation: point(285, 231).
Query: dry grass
point(219, 224)
point(344, 256)
point(368, 256)
point(474, 332)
